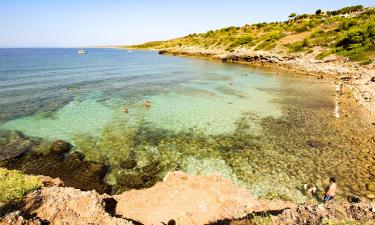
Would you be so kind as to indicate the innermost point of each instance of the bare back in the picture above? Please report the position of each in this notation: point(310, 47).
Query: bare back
point(332, 189)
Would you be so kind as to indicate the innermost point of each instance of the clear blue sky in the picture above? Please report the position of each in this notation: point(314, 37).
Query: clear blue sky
point(72, 23)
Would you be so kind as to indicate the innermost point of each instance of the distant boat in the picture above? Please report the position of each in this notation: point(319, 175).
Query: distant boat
point(82, 51)
point(130, 51)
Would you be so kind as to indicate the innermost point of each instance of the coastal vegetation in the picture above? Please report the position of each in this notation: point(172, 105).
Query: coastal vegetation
point(347, 32)
point(15, 184)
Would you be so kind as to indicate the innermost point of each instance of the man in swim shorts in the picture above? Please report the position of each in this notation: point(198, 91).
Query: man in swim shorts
point(331, 190)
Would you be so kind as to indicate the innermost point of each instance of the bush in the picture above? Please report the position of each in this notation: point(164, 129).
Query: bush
point(240, 41)
point(324, 54)
point(306, 42)
point(14, 185)
point(349, 9)
point(296, 47)
point(366, 62)
point(356, 40)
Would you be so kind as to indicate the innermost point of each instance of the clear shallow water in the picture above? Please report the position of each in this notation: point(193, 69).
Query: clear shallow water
point(206, 117)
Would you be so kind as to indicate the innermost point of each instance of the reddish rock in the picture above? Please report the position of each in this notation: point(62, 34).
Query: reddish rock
point(61, 205)
point(51, 182)
point(190, 200)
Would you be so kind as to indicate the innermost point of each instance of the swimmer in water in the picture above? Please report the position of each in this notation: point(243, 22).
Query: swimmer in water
point(126, 110)
point(148, 104)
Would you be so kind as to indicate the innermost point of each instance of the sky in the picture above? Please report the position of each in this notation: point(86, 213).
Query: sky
point(76, 23)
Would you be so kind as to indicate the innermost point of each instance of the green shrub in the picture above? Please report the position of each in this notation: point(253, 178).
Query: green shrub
point(14, 185)
point(261, 220)
point(366, 62)
point(240, 41)
point(306, 42)
point(296, 47)
point(324, 54)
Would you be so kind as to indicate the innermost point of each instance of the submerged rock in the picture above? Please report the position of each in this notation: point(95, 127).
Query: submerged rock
point(71, 169)
point(60, 147)
point(14, 144)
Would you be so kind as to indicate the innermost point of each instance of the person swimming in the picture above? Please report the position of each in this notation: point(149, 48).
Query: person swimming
point(148, 104)
point(126, 110)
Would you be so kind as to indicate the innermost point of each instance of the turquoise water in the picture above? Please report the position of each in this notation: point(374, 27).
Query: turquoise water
point(185, 93)
point(206, 117)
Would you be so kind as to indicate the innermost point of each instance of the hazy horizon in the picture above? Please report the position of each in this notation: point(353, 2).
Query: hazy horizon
point(62, 24)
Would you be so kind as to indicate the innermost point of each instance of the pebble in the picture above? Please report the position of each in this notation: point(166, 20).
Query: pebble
point(370, 186)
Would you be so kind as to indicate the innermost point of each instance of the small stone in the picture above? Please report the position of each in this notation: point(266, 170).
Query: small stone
point(51, 182)
point(370, 196)
point(371, 186)
point(372, 79)
point(314, 144)
point(346, 78)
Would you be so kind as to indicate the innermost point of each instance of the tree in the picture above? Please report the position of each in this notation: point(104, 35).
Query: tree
point(318, 12)
point(292, 15)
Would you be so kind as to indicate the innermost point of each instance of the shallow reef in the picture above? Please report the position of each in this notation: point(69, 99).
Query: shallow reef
point(301, 146)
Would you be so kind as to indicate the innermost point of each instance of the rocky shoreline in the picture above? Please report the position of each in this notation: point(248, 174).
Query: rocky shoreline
point(178, 199)
point(356, 81)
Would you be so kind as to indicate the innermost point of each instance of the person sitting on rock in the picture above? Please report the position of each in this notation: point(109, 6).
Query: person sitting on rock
point(310, 189)
point(331, 190)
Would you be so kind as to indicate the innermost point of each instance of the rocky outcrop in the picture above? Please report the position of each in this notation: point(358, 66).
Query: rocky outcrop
point(178, 199)
point(186, 200)
point(251, 56)
point(336, 212)
point(59, 205)
point(17, 218)
point(190, 200)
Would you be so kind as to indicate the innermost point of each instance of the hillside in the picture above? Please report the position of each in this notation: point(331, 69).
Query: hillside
point(348, 32)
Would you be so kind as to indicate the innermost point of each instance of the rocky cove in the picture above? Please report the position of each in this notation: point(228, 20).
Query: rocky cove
point(75, 192)
point(299, 147)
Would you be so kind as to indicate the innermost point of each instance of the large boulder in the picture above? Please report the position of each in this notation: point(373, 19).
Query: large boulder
point(59, 205)
point(189, 200)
